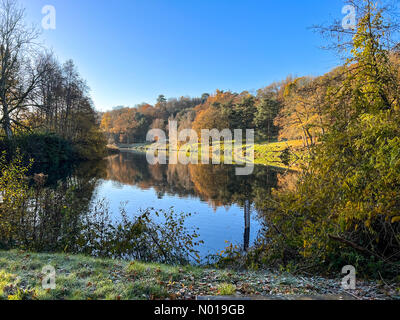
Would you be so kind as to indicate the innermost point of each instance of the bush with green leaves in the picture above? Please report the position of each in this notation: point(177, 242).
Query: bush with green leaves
point(38, 218)
point(345, 208)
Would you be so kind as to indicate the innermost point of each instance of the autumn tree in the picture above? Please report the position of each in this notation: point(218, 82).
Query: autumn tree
point(210, 118)
point(302, 113)
point(345, 208)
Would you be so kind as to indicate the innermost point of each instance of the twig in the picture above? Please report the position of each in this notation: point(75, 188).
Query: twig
point(358, 298)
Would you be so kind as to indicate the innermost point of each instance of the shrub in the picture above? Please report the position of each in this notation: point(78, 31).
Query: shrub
point(44, 148)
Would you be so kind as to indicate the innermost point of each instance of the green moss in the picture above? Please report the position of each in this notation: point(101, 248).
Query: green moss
point(226, 289)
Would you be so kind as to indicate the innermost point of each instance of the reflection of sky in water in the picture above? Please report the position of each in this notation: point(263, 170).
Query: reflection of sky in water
point(215, 226)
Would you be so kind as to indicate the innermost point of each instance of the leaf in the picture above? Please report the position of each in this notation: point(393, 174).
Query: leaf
point(396, 219)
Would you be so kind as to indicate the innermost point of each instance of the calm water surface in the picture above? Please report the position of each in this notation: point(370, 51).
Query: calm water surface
point(222, 203)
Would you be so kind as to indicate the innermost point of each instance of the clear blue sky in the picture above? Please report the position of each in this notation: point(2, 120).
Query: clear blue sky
point(130, 51)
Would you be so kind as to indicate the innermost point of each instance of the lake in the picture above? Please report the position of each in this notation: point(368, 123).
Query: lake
point(224, 207)
point(222, 203)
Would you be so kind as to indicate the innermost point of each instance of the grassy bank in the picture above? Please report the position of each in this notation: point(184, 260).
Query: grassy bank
point(273, 154)
point(81, 277)
point(269, 154)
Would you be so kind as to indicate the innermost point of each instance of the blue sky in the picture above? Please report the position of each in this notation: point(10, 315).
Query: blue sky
point(130, 51)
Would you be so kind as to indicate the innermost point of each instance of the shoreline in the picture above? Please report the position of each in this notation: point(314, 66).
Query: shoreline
point(81, 277)
point(266, 154)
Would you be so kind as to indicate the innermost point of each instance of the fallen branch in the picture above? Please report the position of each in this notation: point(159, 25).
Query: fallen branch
point(355, 246)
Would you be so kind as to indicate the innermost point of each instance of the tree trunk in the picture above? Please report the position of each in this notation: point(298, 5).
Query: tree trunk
point(247, 211)
point(7, 123)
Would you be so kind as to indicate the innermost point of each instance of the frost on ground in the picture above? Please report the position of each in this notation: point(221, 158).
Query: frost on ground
point(85, 278)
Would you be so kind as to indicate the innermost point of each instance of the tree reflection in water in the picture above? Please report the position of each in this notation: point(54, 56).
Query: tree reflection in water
point(215, 184)
point(57, 215)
